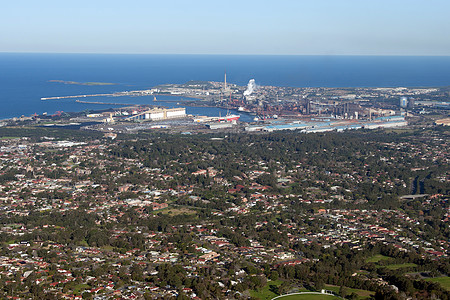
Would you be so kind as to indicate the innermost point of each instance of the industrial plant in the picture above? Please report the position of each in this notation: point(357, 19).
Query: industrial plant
point(158, 114)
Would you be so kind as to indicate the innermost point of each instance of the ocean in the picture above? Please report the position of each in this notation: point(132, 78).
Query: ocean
point(25, 77)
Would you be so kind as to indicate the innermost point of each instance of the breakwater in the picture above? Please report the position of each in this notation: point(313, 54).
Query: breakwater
point(102, 103)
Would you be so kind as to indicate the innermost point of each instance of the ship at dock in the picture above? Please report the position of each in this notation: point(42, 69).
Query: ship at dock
point(229, 118)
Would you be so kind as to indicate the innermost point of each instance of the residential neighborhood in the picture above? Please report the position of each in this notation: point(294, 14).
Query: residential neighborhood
point(171, 216)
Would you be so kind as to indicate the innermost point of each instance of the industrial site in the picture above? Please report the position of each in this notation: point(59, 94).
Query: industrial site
point(252, 108)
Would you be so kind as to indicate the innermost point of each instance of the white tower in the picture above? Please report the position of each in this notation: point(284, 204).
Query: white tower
point(225, 85)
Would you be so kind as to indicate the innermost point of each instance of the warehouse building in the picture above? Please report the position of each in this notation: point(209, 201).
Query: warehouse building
point(159, 114)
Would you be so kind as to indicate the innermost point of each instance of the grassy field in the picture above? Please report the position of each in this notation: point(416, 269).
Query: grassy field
point(377, 258)
point(269, 292)
point(176, 211)
point(107, 248)
point(443, 281)
point(308, 297)
point(81, 287)
point(362, 294)
point(266, 292)
point(385, 259)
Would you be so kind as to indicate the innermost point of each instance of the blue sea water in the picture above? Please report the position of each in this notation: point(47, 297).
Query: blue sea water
point(24, 77)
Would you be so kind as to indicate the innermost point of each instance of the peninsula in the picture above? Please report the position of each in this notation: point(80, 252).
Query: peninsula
point(82, 83)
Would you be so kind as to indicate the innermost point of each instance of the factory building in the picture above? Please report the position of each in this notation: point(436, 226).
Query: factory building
point(323, 125)
point(159, 114)
point(219, 125)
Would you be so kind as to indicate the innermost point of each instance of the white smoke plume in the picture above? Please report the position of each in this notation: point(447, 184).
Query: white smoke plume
point(251, 87)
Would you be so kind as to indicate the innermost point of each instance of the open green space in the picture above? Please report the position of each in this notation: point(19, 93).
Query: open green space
point(443, 281)
point(382, 261)
point(38, 132)
point(308, 297)
point(268, 291)
point(362, 294)
point(176, 211)
point(81, 287)
point(377, 258)
point(83, 243)
point(108, 247)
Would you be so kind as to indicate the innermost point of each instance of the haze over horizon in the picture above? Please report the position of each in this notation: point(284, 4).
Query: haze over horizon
point(286, 27)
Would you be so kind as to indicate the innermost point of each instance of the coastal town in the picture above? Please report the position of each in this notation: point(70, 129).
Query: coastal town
point(86, 214)
point(264, 108)
point(225, 150)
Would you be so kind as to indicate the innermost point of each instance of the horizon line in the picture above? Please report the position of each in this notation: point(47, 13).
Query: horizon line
point(223, 54)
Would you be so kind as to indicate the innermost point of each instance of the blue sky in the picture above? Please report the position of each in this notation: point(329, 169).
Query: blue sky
point(313, 27)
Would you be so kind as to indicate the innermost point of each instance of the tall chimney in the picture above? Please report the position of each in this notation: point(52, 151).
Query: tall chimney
point(225, 86)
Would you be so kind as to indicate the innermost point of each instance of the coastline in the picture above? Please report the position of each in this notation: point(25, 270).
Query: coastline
point(24, 78)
